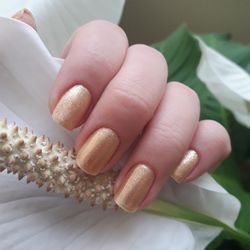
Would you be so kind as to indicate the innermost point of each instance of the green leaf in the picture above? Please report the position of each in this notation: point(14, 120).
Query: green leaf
point(182, 53)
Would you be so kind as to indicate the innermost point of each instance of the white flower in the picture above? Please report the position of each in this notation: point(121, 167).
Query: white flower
point(57, 19)
point(228, 82)
point(31, 218)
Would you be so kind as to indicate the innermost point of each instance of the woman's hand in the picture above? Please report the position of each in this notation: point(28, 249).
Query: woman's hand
point(119, 95)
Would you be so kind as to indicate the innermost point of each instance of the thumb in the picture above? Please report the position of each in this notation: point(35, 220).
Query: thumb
point(26, 16)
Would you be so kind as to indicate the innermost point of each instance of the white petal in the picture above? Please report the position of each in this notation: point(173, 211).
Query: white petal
point(57, 19)
point(27, 72)
point(34, 219)
point(206, 196)
point(228, 82)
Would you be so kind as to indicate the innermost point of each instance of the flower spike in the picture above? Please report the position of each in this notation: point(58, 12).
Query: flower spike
point(38, 160)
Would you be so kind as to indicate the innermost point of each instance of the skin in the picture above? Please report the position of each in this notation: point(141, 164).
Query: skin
point(160, 120)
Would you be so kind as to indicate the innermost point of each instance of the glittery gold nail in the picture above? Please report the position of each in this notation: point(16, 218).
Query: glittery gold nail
point(186, 166)
point(97, 151)
point(72, 107)
point(135, 188)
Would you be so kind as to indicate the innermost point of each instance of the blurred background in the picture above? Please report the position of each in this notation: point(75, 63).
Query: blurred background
point(148, 21)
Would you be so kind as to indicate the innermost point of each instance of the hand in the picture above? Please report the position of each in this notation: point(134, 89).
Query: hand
point(120, 94)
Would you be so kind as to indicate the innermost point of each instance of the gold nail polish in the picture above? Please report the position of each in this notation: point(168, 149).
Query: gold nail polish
point(186, 166)
point(20, 13)
point(72, 106)
point(97, 151)
point(134, 190)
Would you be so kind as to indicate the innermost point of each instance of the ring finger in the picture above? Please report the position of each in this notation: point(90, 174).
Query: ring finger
point(162, 146)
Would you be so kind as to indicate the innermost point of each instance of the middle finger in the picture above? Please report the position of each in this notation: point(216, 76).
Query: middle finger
point(125, 107)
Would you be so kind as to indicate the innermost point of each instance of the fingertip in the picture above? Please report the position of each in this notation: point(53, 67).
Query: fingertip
point(186, 166)
point(212, 143)
point(135, 188)
point(220, 135)
point(26, 16)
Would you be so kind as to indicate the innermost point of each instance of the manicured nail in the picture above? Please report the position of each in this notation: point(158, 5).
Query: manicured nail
point(72, 106)
point(97, 151)
point(21, 13)
point(134, 190)
point(186, 166)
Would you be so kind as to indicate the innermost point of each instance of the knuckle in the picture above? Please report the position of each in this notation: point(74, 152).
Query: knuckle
point(151, 53)
point(95, 24)
point(91, 58)
point(221, 136)
point(92, 48)
point(226, 145)
point(185, 91)
point(224, 142)
point(132, 103)
point(170, 137)
point(103, 25)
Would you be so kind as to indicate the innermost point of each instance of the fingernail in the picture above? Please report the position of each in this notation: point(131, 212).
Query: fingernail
point(21, 13)
point(97, 151)
point(186, 166)
point(135, 188)
point(72, 106)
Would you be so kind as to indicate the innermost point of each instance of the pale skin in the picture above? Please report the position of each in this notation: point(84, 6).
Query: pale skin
point(130, 94)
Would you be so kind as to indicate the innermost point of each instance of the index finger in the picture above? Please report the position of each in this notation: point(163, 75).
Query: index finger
point(97, 52)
